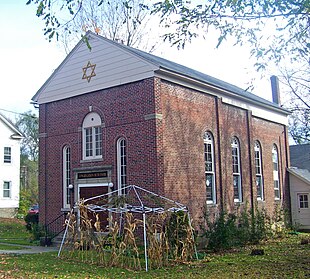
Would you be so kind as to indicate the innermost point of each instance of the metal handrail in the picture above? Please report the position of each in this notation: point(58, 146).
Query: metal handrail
point(55, 227)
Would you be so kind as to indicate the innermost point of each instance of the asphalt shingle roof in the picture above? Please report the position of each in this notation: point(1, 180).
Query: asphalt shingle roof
point(302, 173)
point(300, 156)
point(191, 73)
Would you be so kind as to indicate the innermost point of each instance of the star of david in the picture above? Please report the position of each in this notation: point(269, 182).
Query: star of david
point(89, 71)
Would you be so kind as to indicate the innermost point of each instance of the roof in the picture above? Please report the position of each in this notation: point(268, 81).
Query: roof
point(191, 73)
point(17, 134)
point(165, 67)
point(302, 174)
point(300, 156)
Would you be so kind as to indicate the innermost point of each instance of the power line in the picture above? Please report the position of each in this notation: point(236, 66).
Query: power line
point(23, 114)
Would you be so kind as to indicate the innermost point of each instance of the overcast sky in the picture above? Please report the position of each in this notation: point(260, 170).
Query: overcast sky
point(28, 59)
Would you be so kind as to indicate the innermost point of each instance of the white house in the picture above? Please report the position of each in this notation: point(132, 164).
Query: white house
point(299, 175)
point(10, 139)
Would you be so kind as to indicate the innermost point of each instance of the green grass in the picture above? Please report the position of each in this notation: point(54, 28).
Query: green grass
point(283, 258)
point(14, 231)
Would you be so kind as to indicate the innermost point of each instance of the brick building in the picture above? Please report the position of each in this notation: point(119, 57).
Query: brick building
point(116, 114)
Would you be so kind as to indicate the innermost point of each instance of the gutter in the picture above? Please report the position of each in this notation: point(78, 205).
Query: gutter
point(210, 88)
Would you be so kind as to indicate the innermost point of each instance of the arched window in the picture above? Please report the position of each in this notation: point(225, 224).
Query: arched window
point(258, 170)
point(92, 137)
point(66, 159)
point(236, 165)
point(209, 167)
point(121, 165)
point(276, 181)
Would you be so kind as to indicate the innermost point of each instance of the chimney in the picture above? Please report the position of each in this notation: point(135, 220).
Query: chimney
point(275, 89)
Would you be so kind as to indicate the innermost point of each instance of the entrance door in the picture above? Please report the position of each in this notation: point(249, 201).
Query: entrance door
point(303, 209)
point(87, 191)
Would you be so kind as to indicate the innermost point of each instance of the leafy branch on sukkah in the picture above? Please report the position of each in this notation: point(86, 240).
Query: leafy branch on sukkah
point(138, 231)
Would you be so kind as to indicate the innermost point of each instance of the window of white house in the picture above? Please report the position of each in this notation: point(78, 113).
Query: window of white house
point(121, 165)
point(66, 176)
point(303, 201)
point(7, 189)
point(235, 147)
point(92, 137)
point(209, 167)
point(7, 155)
point(276, 181)
point(258, 171)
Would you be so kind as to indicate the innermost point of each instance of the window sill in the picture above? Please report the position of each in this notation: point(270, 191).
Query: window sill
point(66, 209)
point(91, 160)
point(211, 204)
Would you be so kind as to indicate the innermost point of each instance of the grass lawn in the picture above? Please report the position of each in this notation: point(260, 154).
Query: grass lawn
point(283, 258)
point(14, 231)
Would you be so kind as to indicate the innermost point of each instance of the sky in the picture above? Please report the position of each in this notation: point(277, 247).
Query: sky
point(28, 59)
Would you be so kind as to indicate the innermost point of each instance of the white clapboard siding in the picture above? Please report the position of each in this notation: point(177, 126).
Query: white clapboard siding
point(115, 66)
point(9, 172)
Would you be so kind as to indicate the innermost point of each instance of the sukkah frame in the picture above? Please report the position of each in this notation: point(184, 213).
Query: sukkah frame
point(141, 208)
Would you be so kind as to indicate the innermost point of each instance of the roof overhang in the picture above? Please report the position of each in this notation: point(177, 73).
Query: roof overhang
point(227, 96)
point(17, 134)
point(296, 172)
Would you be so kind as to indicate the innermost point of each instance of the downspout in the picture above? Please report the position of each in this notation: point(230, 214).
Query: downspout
point(281, 168)
point(287, 175)
point(45, 168)
point(219, 153)
point(286, 147)
point(248, 115)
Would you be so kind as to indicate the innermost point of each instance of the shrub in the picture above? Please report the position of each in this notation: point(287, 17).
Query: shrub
point(231, 230)
point(33, 226)
point(221, 234)
point(31, 220)
point(261, 226)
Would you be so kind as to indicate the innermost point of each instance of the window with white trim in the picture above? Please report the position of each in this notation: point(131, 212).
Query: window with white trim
point(209, 167)
point(235, 148)
point(258, 170)
point(7, 157)
point(6, 189)
point(276, 180)
point(121, 165)
point(66, 176)
point(303, 201)
point(92, 137)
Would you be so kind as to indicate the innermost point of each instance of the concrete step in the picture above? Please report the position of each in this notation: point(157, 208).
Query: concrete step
point(56, 241)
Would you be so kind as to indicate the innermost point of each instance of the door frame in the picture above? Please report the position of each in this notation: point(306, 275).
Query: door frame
point(298, 209)
point(88, 185)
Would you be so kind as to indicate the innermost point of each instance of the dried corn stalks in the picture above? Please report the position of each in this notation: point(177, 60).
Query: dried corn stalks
point(169, 237)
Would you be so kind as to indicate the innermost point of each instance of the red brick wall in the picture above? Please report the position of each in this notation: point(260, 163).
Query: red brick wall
point(187, 114)
point(164, 155)
point(269, 133)
point(122, 110)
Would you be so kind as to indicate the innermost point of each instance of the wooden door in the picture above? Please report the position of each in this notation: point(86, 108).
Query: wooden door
point(303, 205)
point(93, 191)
